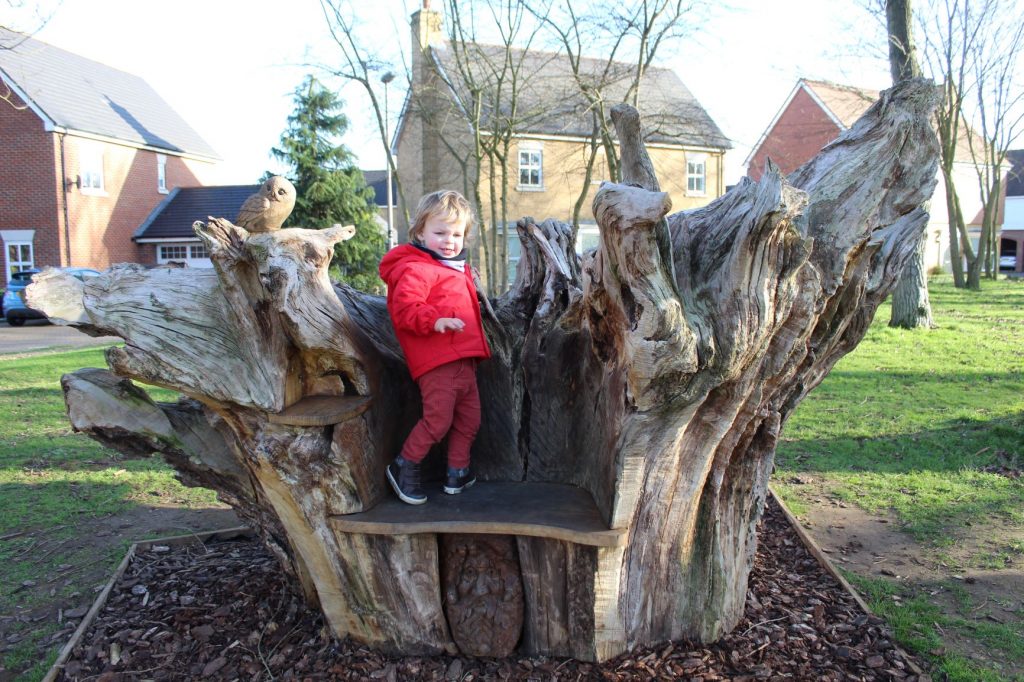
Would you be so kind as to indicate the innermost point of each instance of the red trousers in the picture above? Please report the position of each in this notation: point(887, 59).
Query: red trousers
point(451, 405)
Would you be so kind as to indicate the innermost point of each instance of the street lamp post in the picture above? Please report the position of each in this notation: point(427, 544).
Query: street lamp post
point(385, 79)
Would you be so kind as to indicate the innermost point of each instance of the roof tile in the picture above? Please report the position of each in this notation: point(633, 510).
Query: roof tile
point(550, 102)
point(173, 218)
point(85, 96)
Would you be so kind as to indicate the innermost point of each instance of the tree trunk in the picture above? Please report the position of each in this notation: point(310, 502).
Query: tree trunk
point(910, 305)
point(955, 220)
point(631, 409)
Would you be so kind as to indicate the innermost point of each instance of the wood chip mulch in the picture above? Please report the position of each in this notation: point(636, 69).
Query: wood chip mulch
point(224, 612)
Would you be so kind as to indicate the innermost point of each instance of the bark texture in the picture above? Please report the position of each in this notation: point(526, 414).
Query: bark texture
point(653, 374)
point(911, 307)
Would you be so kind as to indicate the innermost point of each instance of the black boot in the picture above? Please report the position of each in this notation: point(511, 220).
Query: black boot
point(458, 480)
point(404, 477)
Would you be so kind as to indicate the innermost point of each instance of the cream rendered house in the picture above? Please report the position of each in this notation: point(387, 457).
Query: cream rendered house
point(547, 153)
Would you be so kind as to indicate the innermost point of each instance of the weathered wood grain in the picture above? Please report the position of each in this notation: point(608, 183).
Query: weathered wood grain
point(321, 410)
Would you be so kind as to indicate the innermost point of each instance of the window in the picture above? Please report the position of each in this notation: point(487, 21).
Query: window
point(161, 173)
point(514, 254)
point(587, 238)
point(90, 167)
point(19, 257)
point(696, 174)
point(531, 167)
point(191, 254)
point(173, 253)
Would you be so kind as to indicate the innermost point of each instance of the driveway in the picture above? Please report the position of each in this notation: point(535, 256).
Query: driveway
point(39, 334)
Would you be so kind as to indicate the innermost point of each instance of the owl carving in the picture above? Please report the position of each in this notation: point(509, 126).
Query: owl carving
point(267, 210)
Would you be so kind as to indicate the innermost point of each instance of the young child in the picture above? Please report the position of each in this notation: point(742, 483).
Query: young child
point(433, 307)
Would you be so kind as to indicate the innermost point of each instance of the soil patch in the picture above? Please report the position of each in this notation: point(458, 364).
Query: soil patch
point(872, 545)
point(57, 602)
point(225, 612)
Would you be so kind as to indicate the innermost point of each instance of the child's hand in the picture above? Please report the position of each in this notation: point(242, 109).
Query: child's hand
point(445, 324)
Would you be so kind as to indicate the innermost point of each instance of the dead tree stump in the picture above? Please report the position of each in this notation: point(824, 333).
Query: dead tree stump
point(631, 410)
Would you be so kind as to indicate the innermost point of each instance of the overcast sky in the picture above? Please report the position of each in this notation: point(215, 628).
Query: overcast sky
point(229, 66)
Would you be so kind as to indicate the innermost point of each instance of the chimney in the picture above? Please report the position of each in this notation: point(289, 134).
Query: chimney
point(426, 29)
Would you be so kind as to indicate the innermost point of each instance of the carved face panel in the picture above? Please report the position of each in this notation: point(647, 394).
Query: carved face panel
point(483, 593)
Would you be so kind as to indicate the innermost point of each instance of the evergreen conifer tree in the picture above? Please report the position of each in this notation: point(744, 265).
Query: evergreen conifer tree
point(329, 186)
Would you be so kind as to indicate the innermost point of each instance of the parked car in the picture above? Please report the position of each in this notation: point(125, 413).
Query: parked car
point(15, 310)
point(1007, 262)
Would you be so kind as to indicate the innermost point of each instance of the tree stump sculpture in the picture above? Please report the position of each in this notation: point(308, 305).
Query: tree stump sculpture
point(631, 409)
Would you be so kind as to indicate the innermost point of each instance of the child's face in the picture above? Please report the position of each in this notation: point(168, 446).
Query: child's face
point(443, 237)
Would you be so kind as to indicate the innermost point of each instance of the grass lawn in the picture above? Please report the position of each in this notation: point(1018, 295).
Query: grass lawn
point(924, 426)
point(54, 485)
point(919, 426)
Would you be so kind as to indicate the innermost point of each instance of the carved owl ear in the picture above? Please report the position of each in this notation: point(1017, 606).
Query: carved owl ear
point(339, 233)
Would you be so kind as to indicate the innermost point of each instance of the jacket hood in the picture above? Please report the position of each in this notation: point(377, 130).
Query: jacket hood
point(397, 259)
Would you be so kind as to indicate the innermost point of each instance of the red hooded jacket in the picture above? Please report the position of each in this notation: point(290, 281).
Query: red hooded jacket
point(420, 291)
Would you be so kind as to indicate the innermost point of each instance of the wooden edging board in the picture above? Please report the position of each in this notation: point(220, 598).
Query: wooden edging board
point(224, 534)
point(826, 564)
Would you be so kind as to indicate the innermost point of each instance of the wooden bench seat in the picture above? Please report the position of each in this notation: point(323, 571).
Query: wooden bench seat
point(546, 510)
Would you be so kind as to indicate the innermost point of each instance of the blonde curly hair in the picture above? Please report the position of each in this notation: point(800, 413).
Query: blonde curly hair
point(446, 203)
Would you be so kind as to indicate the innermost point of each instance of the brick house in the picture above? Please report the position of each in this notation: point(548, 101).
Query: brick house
point(545, 169)
point(88, 151)
point(817, 112)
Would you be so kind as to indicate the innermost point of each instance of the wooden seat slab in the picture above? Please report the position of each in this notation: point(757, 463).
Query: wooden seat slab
point(546, 510)
point(321, 410)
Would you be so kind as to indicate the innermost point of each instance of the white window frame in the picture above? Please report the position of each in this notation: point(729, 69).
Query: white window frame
point(161, 173)
point(19, 264)
point(18, 239)
point(588, 230)
point(696, 174)
point(193, 254)
point(166, 253)
point(534, 161)
point(90, 167)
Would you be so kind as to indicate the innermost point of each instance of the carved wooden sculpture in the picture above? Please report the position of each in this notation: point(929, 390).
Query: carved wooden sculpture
point(631, 410)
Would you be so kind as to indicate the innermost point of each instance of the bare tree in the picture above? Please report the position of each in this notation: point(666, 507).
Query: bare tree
point(362, 66)
point(973, 48)
point(629, 37)
point(487, 85)
point(911, 308)
point(997, 116)
point(947, 62)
